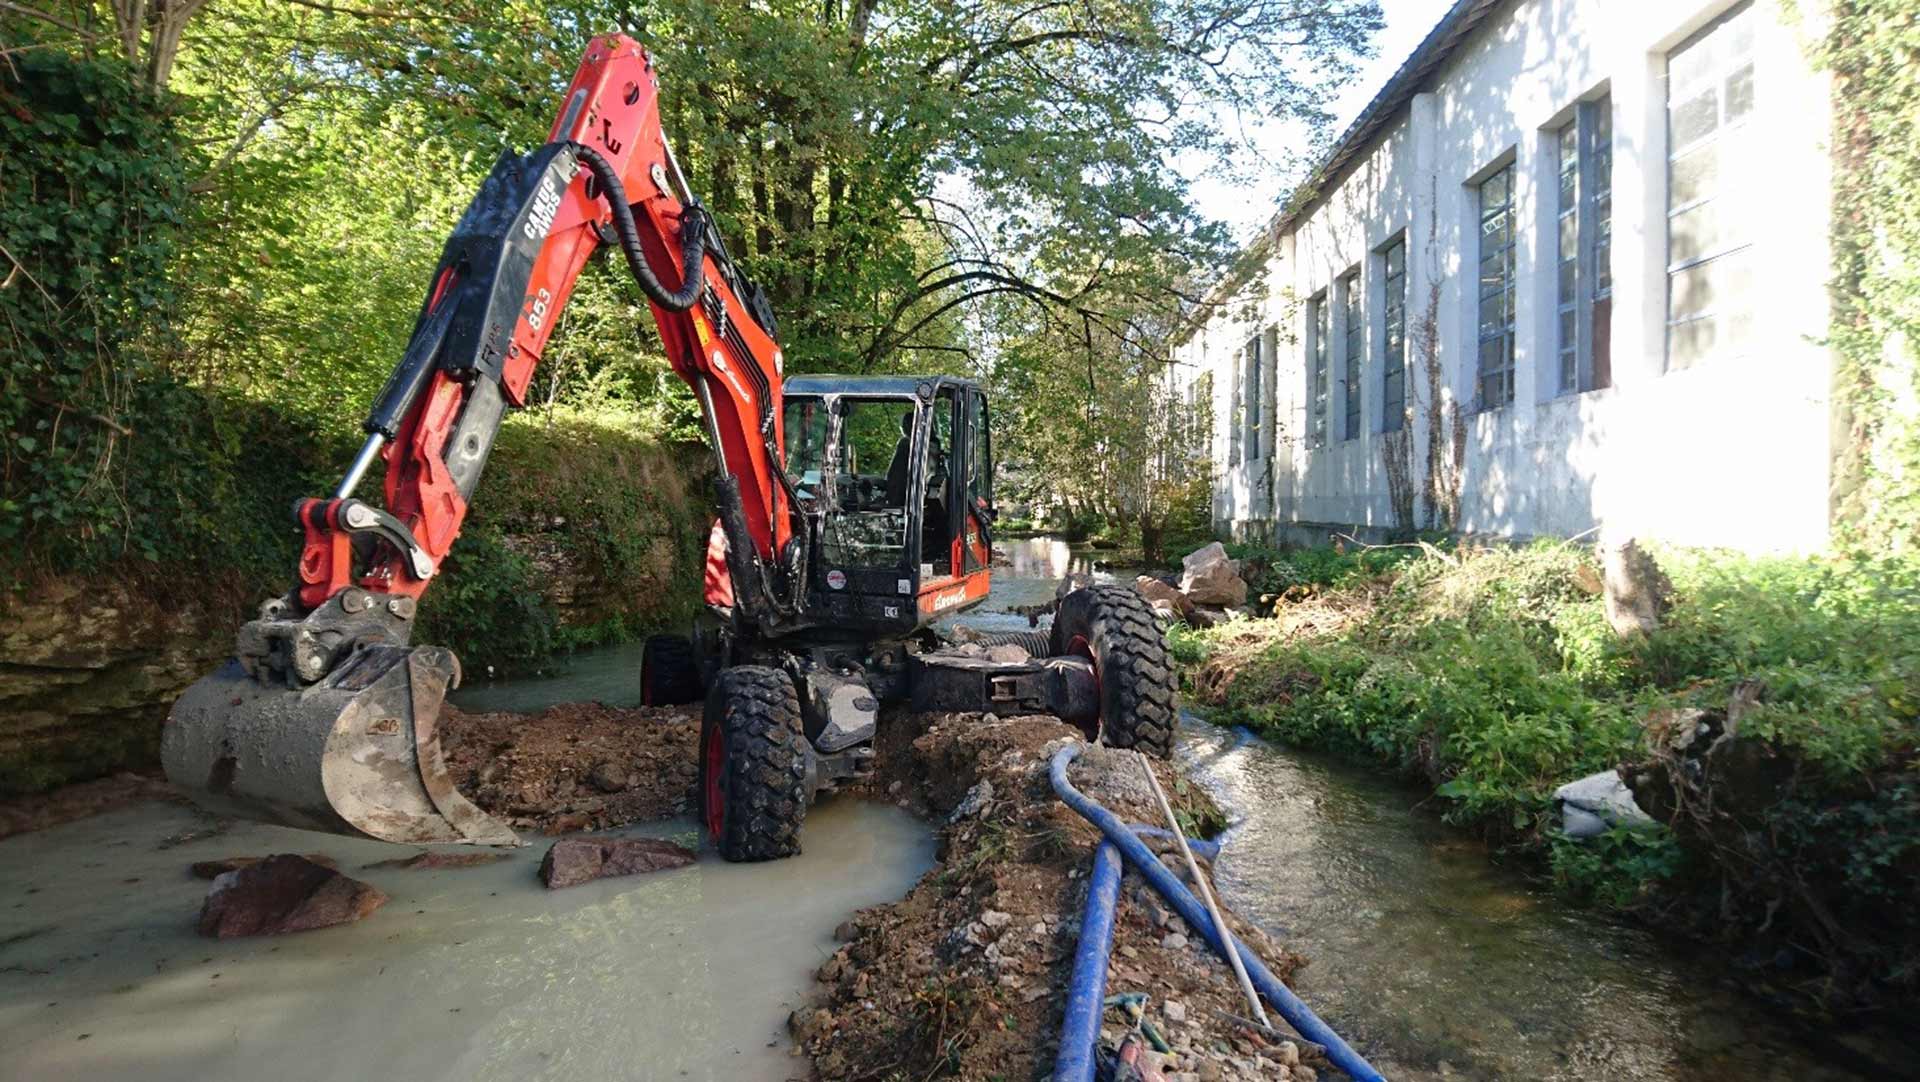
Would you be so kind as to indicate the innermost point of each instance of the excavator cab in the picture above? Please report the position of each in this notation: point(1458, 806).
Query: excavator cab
point(895, 482)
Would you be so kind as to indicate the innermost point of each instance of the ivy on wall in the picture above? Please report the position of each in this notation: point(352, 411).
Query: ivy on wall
point(1872, 48)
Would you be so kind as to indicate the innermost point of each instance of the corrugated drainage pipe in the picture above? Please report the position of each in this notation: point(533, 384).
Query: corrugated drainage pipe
point(1297, 1014)
point(1087, 988)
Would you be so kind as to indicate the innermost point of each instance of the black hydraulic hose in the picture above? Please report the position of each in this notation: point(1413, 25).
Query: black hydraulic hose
point(693, 238)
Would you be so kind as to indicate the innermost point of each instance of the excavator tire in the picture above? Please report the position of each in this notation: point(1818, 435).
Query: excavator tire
point(669, 673)
point(1115, 628)
point(753, 765)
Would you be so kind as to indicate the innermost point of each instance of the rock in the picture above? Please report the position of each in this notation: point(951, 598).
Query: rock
point(1638, 593)
point(976, 799)
point(213, 869)
point(573, 861)
point(1205, 616)
point(284, 893)
point(1174, 941)
point(1007, 654)
point(1159, 593)
point(430, 860)
point(1598, 801)
point(608, 778)
point(1174, 1010)
point(1208, 578)
point(845, 931)
point(1300, 1072)
point(1289, 1054)
point(995, 919)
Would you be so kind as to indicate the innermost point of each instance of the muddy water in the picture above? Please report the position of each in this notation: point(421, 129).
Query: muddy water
point(477, 973)
point(1432, 959)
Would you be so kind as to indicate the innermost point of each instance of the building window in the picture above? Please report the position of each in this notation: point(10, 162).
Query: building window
point(1393, 379)
point(1583, 291)
point(1354, 338)
point(1317, 371)
point(1255, 380)
point(1234, 415)
point(1496, 289)
point(1710, 92)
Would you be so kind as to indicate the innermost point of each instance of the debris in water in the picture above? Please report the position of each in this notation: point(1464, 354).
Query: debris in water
point(573, 861)
point(213, 869)
point(284, 893)
point(432, 859)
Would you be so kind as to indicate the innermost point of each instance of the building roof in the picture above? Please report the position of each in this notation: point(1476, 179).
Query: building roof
point(1413, 76)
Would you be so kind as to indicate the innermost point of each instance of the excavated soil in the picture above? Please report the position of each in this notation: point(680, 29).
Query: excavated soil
point(38, 811)
point(580, 766)
point(966, 976)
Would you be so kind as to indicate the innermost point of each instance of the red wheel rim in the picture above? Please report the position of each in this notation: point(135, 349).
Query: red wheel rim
point(714, 752)
point(1083, 648)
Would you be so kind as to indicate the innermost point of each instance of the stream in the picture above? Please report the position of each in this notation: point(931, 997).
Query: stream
point(1429, 957)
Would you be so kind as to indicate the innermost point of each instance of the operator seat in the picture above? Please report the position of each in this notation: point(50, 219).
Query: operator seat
point(900, 470)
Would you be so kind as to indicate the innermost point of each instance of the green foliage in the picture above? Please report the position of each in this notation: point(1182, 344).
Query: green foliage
point(1495, 677)
point(1872, 48)
point(1621, 869)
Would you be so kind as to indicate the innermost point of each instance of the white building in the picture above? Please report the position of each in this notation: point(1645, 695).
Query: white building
point(1600, 227)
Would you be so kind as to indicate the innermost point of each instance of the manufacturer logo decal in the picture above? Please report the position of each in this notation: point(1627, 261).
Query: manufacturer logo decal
point(837, 579)
point(546, 204)
point(950, 598)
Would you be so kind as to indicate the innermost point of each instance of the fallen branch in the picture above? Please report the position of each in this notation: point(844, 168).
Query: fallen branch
point(1424, 546)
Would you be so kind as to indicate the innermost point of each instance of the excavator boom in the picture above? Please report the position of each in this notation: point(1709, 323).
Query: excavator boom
point(326, 718)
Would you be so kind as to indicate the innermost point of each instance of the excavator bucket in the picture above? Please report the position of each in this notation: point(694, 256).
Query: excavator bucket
point(357, 753)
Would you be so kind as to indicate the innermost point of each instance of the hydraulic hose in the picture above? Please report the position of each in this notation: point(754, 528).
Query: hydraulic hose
point(693, 238)
point(1297, 1013)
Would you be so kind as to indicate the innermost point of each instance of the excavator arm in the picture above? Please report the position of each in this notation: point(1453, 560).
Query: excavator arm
point(326, 718)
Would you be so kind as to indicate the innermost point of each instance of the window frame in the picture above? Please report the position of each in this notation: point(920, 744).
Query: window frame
point(1717, 79)
point(1353, 344)
point(1503, 336)
point(1581, 236)
point(1393, 335)
point(1319, 314)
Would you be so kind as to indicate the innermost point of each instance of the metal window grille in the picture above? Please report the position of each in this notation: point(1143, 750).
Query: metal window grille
point(1317, 371)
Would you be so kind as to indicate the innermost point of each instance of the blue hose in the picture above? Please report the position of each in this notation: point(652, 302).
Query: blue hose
point(1087, 988)
point(1297, 1014)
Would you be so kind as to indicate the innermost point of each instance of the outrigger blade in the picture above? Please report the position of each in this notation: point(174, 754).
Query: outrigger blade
point(355, 754)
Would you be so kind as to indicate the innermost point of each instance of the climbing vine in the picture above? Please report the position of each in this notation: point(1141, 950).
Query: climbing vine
point(1872, 48)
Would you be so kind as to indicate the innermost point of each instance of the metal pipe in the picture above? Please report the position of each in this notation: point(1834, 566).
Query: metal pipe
point(705, 395)
point(1206, 892)
point(362, 462)
point(1136, 853)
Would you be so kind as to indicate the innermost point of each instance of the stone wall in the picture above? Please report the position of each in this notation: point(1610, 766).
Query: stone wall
point(87, 670)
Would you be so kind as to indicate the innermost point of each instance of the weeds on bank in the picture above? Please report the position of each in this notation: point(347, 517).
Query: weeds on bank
point(1494, 677)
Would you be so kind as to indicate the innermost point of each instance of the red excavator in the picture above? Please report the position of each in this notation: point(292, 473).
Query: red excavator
point(852, 514)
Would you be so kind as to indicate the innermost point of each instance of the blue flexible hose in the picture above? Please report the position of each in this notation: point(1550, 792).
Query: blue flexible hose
point(1297, 1014)
point(1087, 988)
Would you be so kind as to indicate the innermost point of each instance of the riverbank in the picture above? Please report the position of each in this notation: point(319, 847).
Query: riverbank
point(1493, 677)
point(965, 977)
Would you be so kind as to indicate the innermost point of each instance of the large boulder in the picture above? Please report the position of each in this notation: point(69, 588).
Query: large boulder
point(1598, 801)
point(573, 861)
point(1164, 597)
point(284, 893)
point(1208, 577)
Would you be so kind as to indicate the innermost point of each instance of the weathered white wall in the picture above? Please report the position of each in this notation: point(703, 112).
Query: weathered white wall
point(1734, 452)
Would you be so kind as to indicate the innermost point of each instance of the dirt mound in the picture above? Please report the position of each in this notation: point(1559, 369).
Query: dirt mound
point(966, 976)
point(38, 811)
point(581, 766)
